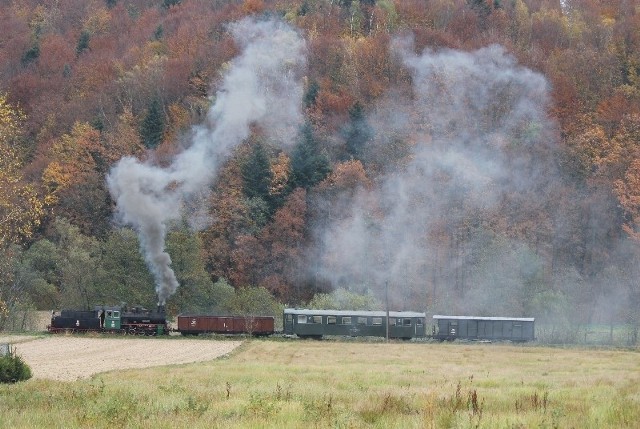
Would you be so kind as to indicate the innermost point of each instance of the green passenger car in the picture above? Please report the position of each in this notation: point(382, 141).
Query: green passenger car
point(318, 323)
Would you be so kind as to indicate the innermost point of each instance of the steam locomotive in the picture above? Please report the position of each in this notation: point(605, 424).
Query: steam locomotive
point(117, 319)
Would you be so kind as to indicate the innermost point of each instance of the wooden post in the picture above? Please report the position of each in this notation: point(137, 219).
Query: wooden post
point(386, 296)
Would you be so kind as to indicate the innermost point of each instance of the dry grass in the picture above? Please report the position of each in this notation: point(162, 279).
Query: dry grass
point(297, 384)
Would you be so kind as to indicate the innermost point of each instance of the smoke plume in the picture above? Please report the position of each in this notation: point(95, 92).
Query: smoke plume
point(470, 117)
point(261, 87)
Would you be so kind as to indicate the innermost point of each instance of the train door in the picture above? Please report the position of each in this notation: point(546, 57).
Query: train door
point(112, 319)
point(452, 329)
point(517, 331)
point(288, 323)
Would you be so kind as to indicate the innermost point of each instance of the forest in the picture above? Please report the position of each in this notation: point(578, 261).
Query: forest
point(472, 157)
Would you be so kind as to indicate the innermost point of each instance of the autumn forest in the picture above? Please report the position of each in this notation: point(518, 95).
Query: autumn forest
point(476, 157)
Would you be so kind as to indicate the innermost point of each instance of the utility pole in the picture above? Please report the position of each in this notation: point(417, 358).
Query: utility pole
point(386, 298)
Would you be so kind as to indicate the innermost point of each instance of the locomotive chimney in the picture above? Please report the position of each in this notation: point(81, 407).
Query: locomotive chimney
point(161, 309)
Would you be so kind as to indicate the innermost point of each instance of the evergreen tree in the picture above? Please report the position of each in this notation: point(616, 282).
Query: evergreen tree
point(309, 164)
point(168, 3)
point(31, 54)
point(83, 42)
point(256, 177)
point(152, 127)
point(358, 133)
point(256, 173)
point(158, 34)
point(312, 94)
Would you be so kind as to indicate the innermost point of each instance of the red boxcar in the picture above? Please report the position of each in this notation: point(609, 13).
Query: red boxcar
point(204, 324)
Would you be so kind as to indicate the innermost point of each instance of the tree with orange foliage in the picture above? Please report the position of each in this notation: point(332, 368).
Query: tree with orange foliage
point(74, 179)
point(283, 240)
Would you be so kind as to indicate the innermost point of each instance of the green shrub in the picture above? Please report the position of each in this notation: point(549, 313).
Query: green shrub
point(13, 369)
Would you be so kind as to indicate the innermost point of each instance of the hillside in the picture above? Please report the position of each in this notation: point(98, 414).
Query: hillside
point(455, 156)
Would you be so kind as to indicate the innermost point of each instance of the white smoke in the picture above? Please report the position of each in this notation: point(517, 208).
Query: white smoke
point(262, 87)
point(467, 117)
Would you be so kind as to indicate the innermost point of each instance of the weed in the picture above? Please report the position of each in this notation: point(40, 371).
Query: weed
point(533, 402)
point(389, 405)
point(319, 409)
point(262, 406)
point(282, 395)
point(195, 406)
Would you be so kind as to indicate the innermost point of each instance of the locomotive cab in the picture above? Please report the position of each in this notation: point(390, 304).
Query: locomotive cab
point(110, 318)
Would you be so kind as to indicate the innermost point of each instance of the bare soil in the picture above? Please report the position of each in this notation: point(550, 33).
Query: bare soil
point(68, 358)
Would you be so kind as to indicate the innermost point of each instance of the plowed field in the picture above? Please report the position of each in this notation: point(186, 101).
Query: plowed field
point(70, 358)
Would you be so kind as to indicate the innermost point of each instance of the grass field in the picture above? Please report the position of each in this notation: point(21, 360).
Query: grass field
point(317, 384)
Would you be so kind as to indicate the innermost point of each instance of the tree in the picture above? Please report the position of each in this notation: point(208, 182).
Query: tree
point(343, 299)
point(83, 42)
point(357, 133)
point(153, 124)
point(255, 301)
point(21, 210)
point(194, 293)
point(38, 272)
point(283, 239)
point(256, 173)
point(78, 266)
point(13, 368)
point(280, 185)
point(125, 276)
point(311, 94)
point(74, 179)
point(628, 192)
point(222, 297)
point(309, 163)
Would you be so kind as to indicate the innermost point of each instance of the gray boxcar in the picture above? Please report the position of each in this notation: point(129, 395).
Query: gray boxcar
point(484, 328)
point(317, 323)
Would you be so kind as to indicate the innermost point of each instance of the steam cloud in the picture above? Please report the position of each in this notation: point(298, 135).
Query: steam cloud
point(262, 86)
point(468, 114)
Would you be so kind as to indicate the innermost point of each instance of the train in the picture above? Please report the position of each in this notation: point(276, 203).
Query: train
point(299, 323)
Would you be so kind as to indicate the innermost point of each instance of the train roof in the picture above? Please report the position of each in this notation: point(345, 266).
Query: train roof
point(363, 313)
point(513, 319)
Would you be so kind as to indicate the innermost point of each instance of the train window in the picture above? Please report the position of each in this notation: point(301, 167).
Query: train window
point(116, 314)
point(302, 318)
point(362, 320)
point(392, 321)
point(419, 322)
point(109, 314)
point(346, 320)
point(316, 319)
point(331, 320)
point(406, 322)
point(377, 321)
point(289, 318)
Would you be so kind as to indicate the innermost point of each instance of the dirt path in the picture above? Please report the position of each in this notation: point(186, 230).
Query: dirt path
point(70, 358)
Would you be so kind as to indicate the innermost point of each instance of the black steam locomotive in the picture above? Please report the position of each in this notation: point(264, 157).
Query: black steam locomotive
point(116, 319)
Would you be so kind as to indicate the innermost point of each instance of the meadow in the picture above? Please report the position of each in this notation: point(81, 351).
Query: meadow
point(348, 384)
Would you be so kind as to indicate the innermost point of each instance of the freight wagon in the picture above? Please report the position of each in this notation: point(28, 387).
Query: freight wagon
point(318, 323)
point(450, 328)
point(229, 325)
